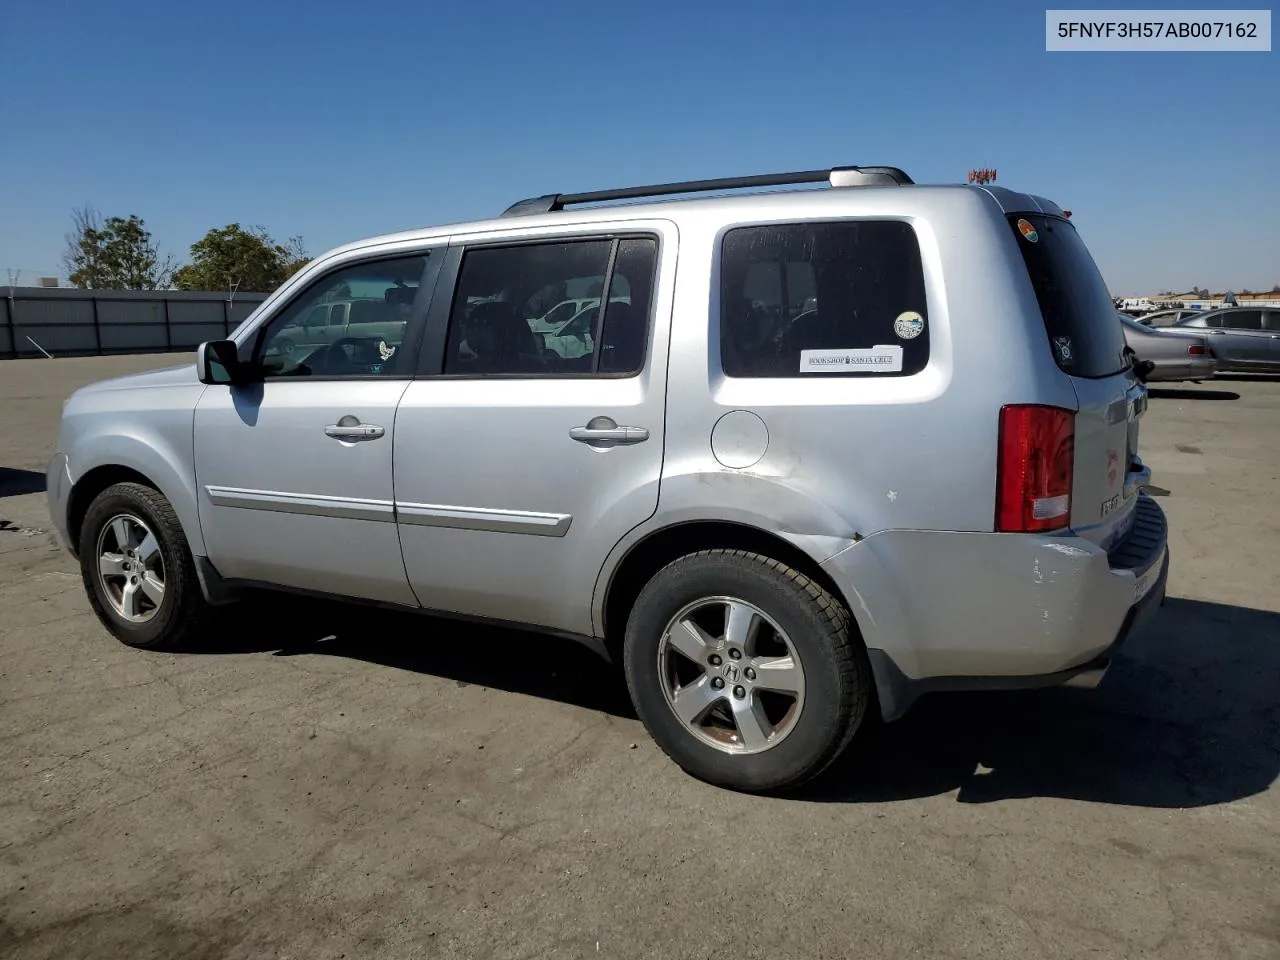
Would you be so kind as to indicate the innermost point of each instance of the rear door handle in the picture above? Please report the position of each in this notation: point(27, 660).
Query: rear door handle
point(605, 432)
point(350, 428)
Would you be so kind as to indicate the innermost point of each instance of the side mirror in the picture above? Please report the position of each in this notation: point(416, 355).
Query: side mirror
point(218, 362)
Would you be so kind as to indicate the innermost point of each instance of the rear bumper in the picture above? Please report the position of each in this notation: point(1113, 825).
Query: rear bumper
point(978, 611)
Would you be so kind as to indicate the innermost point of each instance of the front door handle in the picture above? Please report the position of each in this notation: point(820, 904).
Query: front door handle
point(604, 432)
point(350, 429)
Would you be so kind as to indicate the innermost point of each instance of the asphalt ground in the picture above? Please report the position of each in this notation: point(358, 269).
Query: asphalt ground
point(326, 781)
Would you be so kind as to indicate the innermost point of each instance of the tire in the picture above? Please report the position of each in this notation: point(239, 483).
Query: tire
point(107, 569)
point(791, 612)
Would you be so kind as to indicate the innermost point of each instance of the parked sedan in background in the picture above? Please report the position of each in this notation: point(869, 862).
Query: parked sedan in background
point(1243, 339)
point(1173, 356)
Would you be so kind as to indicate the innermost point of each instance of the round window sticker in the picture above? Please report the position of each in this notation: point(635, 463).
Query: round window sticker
point(908, 325)
point(1027, 230)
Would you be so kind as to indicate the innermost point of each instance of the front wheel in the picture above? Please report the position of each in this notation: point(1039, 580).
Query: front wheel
point(138, 570)
point(747, 673)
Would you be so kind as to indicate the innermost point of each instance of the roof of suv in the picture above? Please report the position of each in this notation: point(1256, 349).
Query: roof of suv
point(549, 210)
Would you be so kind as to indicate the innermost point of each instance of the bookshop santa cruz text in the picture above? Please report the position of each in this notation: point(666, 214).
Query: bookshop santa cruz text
point(1138, 30)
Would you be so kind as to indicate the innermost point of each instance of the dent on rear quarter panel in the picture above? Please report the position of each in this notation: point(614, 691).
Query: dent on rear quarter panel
point(150, 430)
point(760, 500)
point(734, 496)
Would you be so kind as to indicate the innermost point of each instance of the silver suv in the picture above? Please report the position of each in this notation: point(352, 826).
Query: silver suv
point(829, 449)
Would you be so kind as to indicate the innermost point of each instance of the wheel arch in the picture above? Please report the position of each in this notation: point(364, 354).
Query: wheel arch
point(655, 549)
point(86, 490)
point(119, 459)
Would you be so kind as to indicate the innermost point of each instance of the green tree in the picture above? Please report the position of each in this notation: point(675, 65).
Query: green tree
point(232, 257)
point(115, 254)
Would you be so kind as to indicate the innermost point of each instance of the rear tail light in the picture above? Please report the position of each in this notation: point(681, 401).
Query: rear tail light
point(1196, 350)
point(1036, 460)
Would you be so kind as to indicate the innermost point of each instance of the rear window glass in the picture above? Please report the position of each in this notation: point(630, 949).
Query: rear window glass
point(1079, 314)
point(823, 299)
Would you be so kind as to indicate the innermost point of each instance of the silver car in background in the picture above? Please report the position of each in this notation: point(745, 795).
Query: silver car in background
point(1172, 356)
point(1244, 339)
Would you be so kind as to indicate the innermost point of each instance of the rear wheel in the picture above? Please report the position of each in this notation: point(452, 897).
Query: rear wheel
point(746, 672)
point(138, 570)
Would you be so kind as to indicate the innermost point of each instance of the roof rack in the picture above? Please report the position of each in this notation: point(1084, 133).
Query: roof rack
point(836, 177)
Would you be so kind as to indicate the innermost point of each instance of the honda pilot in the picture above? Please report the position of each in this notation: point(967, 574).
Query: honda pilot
point(819, 450)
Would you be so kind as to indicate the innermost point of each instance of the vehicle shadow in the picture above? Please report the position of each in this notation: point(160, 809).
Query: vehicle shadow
point(1188, 715)
point(17, 483)
point(1173, 393)
point(517, 661)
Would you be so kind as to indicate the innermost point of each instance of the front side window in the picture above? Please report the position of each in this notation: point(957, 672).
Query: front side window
point(509, 317)
point(352, 322)
point(823, 299)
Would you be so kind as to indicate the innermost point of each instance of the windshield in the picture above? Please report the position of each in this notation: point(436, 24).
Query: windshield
point(1079, 314)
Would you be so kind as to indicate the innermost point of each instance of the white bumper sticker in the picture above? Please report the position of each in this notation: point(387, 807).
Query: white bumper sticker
point(886, 358)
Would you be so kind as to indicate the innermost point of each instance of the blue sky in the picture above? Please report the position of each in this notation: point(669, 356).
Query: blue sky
point(340, 120)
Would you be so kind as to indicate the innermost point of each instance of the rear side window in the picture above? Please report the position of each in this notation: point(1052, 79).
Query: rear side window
point(1079, 315)
point(509, 316)
point(823, 299)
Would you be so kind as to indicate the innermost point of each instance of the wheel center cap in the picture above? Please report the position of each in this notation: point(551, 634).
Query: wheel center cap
point(731, 672)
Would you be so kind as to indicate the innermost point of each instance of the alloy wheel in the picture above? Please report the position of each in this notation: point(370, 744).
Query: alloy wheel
point(131, 568)
point(731, 675)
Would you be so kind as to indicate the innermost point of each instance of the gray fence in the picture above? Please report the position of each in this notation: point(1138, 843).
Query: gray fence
point(95, 322)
